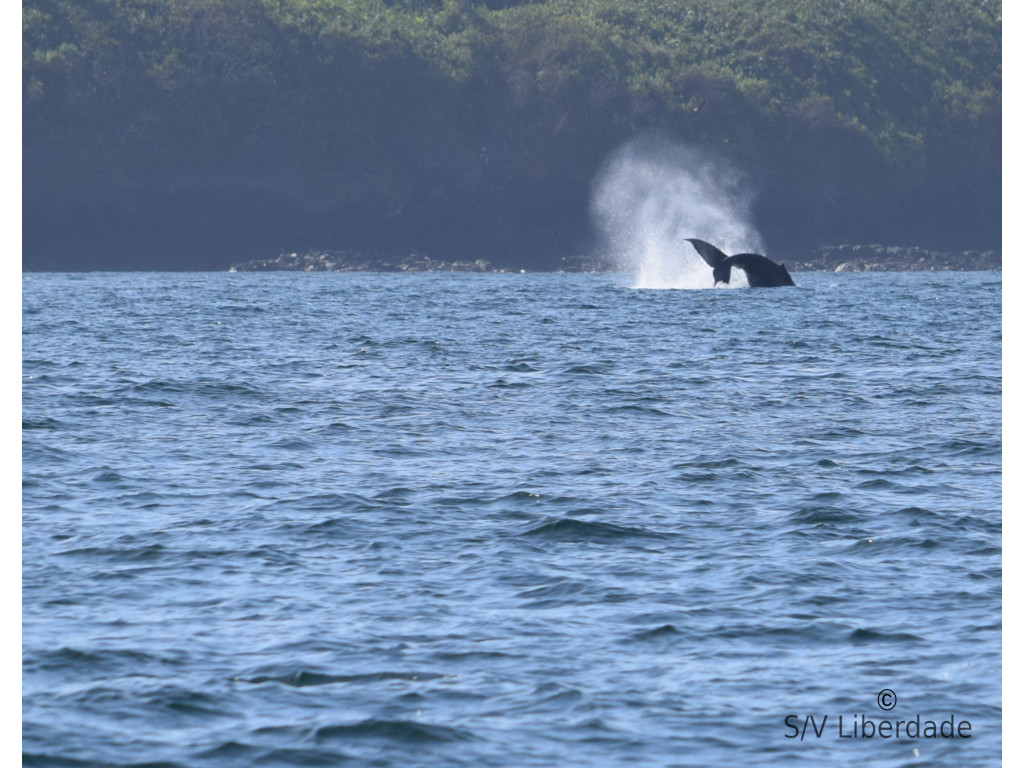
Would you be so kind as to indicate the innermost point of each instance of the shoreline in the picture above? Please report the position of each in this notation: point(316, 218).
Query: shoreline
point(829, 258)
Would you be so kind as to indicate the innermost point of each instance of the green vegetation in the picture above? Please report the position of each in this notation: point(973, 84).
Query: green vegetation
point(199, 132)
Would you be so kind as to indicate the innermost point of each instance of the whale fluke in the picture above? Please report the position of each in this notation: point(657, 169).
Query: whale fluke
point(761, 271)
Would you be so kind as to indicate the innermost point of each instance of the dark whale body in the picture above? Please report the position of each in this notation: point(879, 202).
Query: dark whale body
point(761, 271)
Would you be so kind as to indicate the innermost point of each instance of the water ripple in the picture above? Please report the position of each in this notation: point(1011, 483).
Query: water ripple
point(506, 520)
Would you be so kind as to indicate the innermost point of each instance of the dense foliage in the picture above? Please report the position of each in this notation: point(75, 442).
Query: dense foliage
point(196, 132)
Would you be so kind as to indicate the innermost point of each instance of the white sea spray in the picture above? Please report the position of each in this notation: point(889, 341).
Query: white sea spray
point(652, 194)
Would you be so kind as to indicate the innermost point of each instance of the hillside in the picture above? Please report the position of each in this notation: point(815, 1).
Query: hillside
point(192, 134)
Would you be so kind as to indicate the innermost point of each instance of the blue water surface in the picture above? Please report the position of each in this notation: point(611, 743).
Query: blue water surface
point(509, 520)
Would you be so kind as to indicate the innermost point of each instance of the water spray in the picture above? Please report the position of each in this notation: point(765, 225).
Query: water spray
point(651, 195)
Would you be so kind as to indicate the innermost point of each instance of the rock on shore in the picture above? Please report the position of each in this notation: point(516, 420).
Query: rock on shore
point(881, 258)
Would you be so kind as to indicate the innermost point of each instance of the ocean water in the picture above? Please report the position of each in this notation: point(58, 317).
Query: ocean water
point(510, 520)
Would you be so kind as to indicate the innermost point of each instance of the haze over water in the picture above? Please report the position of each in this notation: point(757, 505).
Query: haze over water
point(508, 520)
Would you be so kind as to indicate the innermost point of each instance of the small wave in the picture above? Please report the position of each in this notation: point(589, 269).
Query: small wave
point(235, 308)
point(569, 529)
point(828, 496)
point(299, 756)
point(156, 385)
point(551, 594)
point(430, 345)
point(961, 447)
point(821, 376)
point(204, 388)
point(291, 445)
point(107, 476)
point(251, 420)
point(799, 634)
point(121, 554)
point(44, 424)
point(264, 467)
point(864, 636)
point(230, 390)
point(396, 495)
point(512, 506)
point(470, 655)
point(877, 484)
point(502, 384)
point(702, 462)
point(646, 410)
point(918, 515)
point(555, 693)
point(697, 477)
point(666, 630)
point(60, 761)
point(43, 760)
point(304, 678)
point(271, 555)
point(393, 730)
point(396, 409)
point(824, 515)
point(331, 527)
point(72, 661)
point(233, 750)
point(518, 367)
point(837, 433)
point(593, 369)
point(913, 469)
point(193, 703)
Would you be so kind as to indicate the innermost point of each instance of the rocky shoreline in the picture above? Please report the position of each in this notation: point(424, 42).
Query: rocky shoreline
point(829, 258)
point(359, 261)
point(880, 258)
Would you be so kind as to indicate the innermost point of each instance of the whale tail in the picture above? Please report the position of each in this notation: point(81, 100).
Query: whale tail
point(708, 252)
point(761, 271)
point(718, 261)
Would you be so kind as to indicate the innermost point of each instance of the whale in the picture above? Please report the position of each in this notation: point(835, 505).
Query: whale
point(761, 271)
